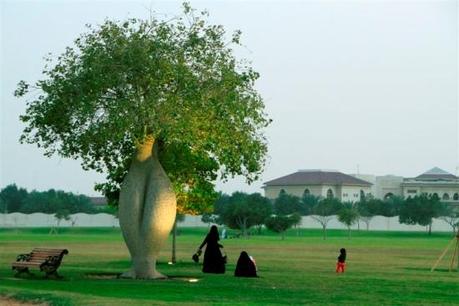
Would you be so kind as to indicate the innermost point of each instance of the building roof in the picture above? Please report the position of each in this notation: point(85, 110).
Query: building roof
point(317, 177)
point(436, 174)
point(98, 201)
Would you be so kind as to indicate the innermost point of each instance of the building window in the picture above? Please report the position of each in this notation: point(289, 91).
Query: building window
point(435, 195)
point(411, 191)
point(306, 192)
point(344, 194)
point(456, 197)
point(356, 195)
point(329, 194)
point(388, 195)
point(282, 192)
point(445, 197)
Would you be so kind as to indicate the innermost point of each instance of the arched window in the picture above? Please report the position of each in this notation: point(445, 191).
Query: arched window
point(388, 195)
point(329, 194)
point(456, 197)
point(435, 195)
point(306, 192)
point(282, 192)
point(445, 197)
point(362, 195)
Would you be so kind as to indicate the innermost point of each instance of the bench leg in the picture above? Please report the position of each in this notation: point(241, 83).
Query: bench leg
point(20, 271)
point(53, 274)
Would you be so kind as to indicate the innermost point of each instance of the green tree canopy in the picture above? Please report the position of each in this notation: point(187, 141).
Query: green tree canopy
point(324, 211)
point(242, 211)
point(348, 215)
point(420, 209)
point(368, 208)
point(392, 206)
point(16, 199)
point(13, 198)
point(176, 82)
point(286, 204)
point(308, 202)
point(281, 223)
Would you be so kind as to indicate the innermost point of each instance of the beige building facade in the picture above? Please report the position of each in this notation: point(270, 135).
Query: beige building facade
point(320, 183)
point(351, 188)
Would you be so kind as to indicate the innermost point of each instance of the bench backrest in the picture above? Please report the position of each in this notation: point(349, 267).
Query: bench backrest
point(43, 254)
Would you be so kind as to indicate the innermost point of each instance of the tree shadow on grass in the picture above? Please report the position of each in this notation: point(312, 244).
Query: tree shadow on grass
point(114, 275)
point(427, 269)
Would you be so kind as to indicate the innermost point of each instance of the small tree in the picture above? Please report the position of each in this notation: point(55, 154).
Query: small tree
point(391, 206)
point(420, 210)
point(61, 214)
point(324, 211)
point(450, 216)
point(286, 204)
point(281, 223)
point(308, 201)
point(209, 219)
point(348, 215)
point(243, 211)
point(367, 209)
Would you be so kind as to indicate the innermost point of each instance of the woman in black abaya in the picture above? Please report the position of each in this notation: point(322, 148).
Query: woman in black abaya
point(245, 266)
point(213, 259)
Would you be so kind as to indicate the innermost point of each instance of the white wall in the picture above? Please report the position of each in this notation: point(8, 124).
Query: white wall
point(105, 220)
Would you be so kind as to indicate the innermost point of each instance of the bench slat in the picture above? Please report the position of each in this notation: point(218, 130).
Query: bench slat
point(27, 264)
point(53, 253)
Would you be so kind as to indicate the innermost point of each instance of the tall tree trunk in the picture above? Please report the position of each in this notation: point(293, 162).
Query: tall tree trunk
point(430, 228)
point(147, 208)
point(324, 231)
point(174, 242)
point(349, 232)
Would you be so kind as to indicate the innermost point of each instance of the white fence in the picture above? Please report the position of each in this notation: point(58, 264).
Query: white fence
point(106, 220)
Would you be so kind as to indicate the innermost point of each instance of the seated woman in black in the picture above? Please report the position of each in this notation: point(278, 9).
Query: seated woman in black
point(213, 259)
point(245, 266)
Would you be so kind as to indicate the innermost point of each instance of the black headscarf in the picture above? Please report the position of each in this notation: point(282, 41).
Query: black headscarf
point(213, 233)
point(245, 266)
point(342, 255)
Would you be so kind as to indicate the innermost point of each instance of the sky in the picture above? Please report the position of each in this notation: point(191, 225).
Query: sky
point(367, 86)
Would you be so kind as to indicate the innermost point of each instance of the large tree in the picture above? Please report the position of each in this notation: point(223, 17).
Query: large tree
point(163, 108)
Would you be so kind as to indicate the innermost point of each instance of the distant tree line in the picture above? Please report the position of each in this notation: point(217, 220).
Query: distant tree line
point(249, 212)
point(14, 199)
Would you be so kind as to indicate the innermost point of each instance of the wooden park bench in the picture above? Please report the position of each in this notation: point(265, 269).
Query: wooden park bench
point(46, 260)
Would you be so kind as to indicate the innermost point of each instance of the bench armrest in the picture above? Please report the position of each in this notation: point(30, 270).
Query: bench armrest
point(23, 257)
point(53, 260)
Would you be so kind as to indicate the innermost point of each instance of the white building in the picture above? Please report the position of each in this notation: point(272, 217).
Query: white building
point(321, 183)
point(331, 183)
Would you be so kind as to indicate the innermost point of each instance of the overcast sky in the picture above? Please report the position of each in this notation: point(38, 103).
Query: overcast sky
point(347, 83)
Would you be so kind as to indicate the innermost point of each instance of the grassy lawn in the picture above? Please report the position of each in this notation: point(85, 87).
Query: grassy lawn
point(388, 268)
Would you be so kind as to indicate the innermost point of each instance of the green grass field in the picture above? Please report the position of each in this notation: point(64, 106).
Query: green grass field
point(388, 268)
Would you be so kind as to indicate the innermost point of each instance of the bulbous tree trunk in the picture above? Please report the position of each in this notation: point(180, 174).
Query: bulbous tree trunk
point(147, 207)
